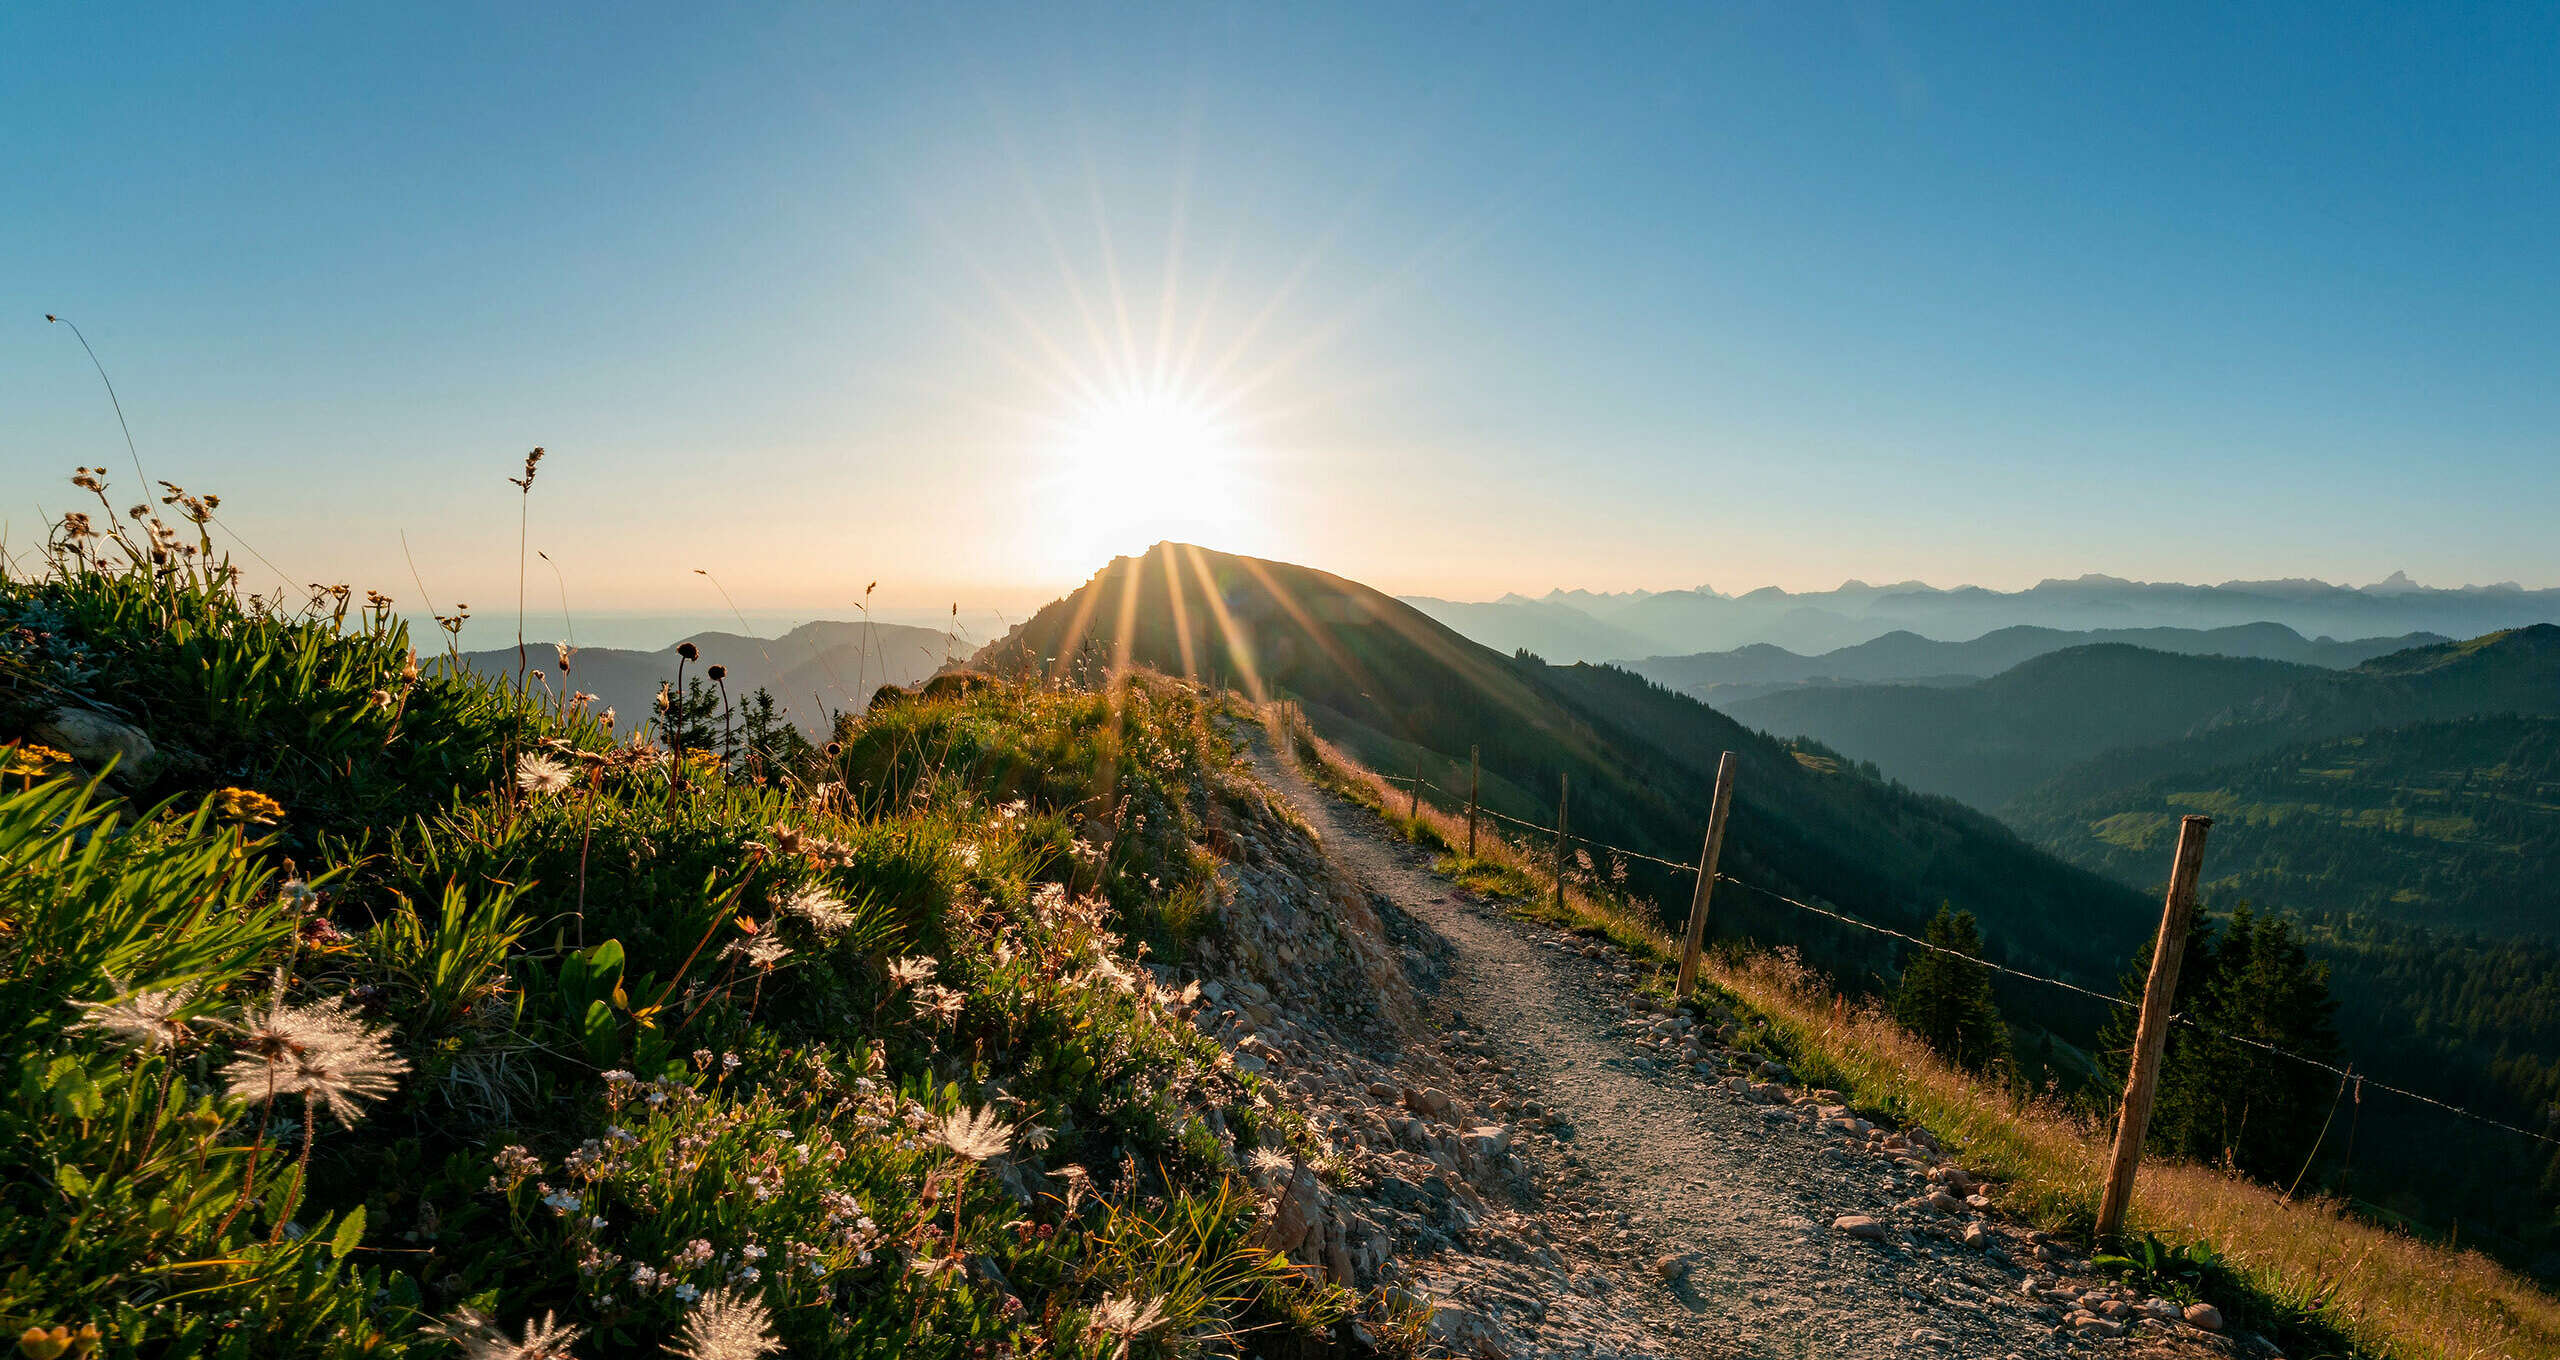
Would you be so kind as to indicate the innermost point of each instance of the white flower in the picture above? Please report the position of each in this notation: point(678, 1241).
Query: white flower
point(562, 1201)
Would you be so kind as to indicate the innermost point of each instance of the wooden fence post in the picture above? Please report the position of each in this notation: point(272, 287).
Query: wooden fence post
point(1475, 775)
point(1413, 796)
point(2151, 1034)
point(1696, 936)
point(1564, 795)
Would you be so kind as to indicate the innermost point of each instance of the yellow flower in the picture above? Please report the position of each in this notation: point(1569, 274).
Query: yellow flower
point(247, 805)
point(31, 760)
point(37, 1343)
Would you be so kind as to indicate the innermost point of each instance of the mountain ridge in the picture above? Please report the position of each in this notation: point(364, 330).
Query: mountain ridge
point(1681, 622)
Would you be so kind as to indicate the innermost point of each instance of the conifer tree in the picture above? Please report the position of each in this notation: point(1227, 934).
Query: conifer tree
point(2223, 1098)
point(1947, 1001)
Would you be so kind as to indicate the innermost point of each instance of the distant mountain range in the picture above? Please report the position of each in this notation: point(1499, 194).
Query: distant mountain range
point(2100, 718)
point(1409, 695)
point(1726, 678)
point(1579, 625)
point(812, 671)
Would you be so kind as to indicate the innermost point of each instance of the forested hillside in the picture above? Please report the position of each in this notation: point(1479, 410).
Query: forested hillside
point(2454, 825)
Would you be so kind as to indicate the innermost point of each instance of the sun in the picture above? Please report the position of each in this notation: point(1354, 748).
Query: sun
point(1139, 467)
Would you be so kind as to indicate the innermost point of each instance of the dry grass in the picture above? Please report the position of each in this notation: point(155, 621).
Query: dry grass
point(2372, 1290)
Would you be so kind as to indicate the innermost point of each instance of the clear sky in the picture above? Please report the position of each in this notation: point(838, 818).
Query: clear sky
point(963, 300)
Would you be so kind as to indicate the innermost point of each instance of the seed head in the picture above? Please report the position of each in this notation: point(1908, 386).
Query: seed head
point(726, 1325)
point(537, 773)
point(1125, 1318)
point(480, 1338)
point(321, 1052)
point(820, 910)
point(147, 1022)
point(974, 1134)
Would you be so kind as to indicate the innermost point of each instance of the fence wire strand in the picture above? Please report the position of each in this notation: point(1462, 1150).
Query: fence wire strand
point(2342, 1073)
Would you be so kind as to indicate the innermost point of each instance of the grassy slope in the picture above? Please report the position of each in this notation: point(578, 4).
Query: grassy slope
point(603, 1131)
point(1410, 696)
point(2323, 1282)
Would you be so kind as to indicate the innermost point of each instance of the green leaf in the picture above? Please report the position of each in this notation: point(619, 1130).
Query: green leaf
point(350, 1232)
point(71, 1178)
point(603, 1036)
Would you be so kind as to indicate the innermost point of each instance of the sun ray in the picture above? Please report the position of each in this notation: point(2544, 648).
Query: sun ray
point(1239, 647)
point(1181, 614)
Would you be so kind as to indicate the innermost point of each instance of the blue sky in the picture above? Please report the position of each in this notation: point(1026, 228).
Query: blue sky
point(1449, 301)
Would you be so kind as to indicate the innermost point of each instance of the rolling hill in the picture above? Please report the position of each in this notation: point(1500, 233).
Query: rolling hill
point(1903, 657)
point(2112, 716)
point(1409, 695)
point(812, 671)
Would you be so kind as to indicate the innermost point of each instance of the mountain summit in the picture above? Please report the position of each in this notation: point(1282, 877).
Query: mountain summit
point(1411, 697)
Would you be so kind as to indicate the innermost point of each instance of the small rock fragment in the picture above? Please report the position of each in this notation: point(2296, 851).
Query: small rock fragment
point(1859, 1226)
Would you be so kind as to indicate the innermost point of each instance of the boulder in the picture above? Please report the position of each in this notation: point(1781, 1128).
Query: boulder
point(94, 739)
point(2204, 1316)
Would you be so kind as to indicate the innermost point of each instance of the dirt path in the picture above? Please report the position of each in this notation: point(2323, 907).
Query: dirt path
point(1642, 1157)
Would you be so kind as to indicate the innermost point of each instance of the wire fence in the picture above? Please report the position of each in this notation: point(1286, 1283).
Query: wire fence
point(2345, 1075)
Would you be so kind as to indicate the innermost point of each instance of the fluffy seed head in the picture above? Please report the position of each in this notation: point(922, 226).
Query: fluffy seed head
point(481, 1339)
point(974, 1134)
point(726, 1325)
point(145, 1021)
point(321, 1053)
point(538, 773)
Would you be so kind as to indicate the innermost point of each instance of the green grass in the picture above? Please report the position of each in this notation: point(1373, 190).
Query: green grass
point(633, 1033)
